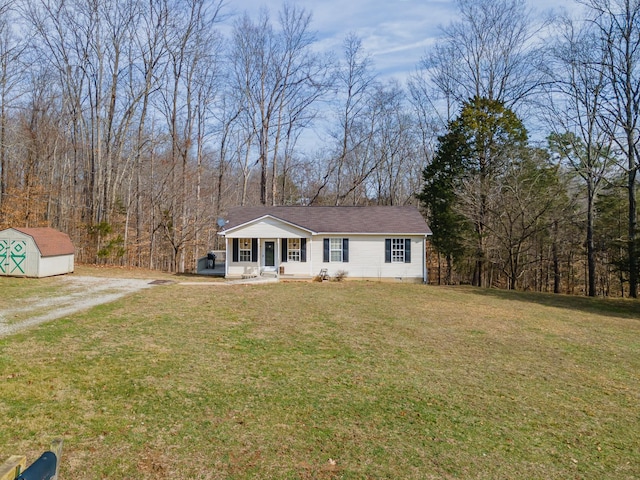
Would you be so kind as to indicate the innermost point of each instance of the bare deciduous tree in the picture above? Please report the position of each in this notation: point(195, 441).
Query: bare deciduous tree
point(280, 78)
point(488, 53)
point(578, 89)
point(12, 47)
point(618, 23)
point(356, 82)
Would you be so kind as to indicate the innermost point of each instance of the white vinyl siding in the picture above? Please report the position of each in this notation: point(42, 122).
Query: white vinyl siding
point(268, 228)
point(367, 259)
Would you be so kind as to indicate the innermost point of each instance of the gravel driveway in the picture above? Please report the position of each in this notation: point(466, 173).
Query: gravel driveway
point(78, 293)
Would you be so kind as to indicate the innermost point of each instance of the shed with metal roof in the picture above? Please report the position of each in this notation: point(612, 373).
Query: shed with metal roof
point(35, 252)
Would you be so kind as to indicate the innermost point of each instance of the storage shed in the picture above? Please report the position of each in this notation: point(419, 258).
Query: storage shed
point(35, 252)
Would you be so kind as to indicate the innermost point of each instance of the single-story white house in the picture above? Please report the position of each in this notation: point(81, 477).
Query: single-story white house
point(35, 252)
point(373, 242)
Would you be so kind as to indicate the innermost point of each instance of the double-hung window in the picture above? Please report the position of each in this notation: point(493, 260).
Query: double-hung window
point(336, 250)
point(293, 249)
point(244, 250)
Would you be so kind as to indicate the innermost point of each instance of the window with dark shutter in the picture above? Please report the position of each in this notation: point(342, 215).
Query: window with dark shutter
point(303, 249)
point(283, 249)
point(254, 249)
point(242, 250)
point(335, 250)
point(397, 250)
point(294, 249)
point(236, 249)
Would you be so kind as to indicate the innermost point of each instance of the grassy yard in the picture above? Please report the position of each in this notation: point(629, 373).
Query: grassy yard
point(348, 380)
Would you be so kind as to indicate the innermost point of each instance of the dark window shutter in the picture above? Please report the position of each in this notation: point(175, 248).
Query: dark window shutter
point(407, 250)
point(325, 253)
point(236, 249)
point(254, 249)
point(283, 250)
point(345, 250)
point(387, 250)
point(303, 249)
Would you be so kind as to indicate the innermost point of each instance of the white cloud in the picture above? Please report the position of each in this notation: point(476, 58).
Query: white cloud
point(395, 33)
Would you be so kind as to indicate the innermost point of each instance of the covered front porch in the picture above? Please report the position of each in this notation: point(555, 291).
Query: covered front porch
point(267, 246)
point(267, 257)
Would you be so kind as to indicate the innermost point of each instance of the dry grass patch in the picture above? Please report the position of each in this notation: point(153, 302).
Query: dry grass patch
point(330, 380)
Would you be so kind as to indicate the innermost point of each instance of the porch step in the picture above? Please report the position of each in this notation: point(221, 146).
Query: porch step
point(269, 274)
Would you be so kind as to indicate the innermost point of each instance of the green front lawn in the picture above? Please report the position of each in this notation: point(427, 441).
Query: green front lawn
point(354, 380)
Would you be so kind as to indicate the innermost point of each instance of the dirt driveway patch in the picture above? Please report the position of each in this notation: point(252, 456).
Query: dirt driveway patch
point(77, 293)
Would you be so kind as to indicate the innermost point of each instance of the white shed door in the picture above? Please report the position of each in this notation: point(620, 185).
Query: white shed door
point(13, 257)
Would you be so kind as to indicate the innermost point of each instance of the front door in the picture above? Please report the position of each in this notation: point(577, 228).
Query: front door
point(269, 254)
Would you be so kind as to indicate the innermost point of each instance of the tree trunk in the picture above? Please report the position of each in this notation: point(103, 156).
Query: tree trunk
point(631, 244)
point(591, 251)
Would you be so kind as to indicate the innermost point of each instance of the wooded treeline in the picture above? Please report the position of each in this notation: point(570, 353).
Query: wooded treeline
point(134, 125)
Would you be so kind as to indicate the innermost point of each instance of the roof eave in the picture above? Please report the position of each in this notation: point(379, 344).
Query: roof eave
point(410, 234)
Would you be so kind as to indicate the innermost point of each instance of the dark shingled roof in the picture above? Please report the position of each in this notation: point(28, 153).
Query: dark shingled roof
point(370, 220)
point(49, 241)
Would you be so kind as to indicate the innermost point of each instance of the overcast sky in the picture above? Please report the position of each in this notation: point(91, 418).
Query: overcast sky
point(395, 33)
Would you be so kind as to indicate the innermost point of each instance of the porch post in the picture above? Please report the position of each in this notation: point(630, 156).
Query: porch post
point(226, 256)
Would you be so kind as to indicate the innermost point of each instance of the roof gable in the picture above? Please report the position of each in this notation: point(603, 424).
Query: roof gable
point(338, 220)
point(274, 225)
point(49, 241)
point(228, 228)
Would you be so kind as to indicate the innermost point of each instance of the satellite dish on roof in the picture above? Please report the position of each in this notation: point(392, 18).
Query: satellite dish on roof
point(221, 222)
